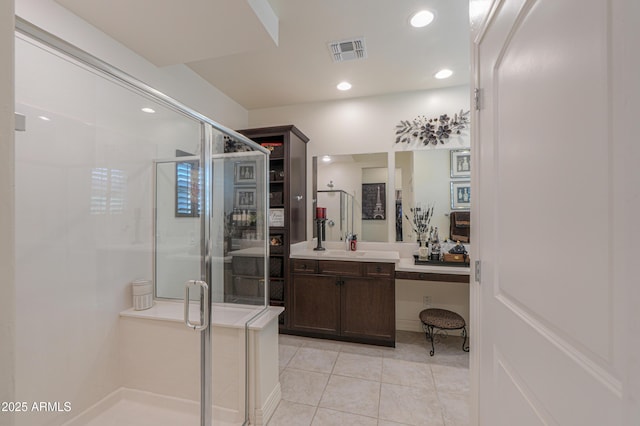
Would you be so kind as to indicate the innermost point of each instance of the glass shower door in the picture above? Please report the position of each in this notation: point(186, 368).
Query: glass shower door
point(85, 213)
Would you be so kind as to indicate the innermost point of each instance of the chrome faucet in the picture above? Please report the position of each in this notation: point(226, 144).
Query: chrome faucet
point(347, 241)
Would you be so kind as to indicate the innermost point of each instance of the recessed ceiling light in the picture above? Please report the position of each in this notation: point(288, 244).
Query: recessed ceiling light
point(445, 73)
point(326, 158)
point(42, 117)
point(344, 86)
point(148, 110)
point(421, 19)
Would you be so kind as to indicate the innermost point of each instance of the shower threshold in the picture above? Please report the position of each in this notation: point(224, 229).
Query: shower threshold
point(128, 407)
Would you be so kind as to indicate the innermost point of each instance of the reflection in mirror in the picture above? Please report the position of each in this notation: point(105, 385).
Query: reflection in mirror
point(339, 205)
point(359, 175)
point(426, 177)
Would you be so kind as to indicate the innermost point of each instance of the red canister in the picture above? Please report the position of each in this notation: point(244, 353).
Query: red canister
point(321, 213)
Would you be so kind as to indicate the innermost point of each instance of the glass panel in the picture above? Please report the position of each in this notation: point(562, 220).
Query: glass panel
point(84, 245)
point(239, 267)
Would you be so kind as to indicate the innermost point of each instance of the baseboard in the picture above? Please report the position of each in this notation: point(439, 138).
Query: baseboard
point(408, 325)
point(264, 414)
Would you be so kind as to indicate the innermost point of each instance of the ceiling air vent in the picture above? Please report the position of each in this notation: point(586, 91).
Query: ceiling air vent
point(348, 50)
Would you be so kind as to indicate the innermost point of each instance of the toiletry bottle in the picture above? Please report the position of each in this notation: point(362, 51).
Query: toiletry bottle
point(354, 242)
point(423, 251)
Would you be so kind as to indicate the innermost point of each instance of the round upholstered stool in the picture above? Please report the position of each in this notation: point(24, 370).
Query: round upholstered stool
point(444, 320)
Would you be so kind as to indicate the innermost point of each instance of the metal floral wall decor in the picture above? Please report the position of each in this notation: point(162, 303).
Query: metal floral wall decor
point(432, 130)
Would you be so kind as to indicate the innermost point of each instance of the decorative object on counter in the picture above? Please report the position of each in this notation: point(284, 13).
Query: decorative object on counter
point(432, 130)
point(421, 217)
point(460, 163)
point(347, 241)
point(423, 250)
point(434, 245)
point(321, 218)
point(353, 243)
point(457, 254)
point(460, 195)
point(320, 224)
point(142, 291)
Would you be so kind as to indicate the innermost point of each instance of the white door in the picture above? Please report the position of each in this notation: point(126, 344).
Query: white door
point(556, 212)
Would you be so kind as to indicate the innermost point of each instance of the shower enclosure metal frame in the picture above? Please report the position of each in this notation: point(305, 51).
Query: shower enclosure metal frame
point(207, 127)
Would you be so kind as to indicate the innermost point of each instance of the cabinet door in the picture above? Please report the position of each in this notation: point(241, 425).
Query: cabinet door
point(368, 308)
point(297, 180)
point(316, 304)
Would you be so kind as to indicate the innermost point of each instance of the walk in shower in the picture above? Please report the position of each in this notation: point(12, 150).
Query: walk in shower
point(115, 182)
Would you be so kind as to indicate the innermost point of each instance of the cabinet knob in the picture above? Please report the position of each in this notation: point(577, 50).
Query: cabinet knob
point(304, 266)
point(299, 197)
point(378, 269)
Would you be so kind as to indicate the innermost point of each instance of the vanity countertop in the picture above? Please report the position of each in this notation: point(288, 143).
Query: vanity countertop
point(406, 264)
point(399, 253)
point(352, 256)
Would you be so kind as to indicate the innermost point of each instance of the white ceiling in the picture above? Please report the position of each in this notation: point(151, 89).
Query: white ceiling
point(227, 44)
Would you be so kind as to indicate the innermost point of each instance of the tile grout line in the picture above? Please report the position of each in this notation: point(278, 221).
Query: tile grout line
point(435, 388)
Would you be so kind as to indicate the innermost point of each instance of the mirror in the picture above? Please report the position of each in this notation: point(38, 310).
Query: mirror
point(425, 178)
point(364, 178)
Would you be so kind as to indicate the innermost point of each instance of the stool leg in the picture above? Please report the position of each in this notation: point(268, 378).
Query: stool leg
point(429, 333)
point(465, 347)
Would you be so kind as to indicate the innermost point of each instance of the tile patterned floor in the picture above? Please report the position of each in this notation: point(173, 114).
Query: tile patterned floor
point(325, 382)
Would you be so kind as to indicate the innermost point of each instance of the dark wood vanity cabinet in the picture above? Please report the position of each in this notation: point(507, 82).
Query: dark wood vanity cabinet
point(345, 300)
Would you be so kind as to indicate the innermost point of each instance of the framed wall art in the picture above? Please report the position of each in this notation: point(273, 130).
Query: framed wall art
point(461, 195)
point(245, 173)
point(460, 163)
point(373, 201)
point(245, 198)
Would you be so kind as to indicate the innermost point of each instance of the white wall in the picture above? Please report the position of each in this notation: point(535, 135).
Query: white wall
point(7, 254)
point(364, 125)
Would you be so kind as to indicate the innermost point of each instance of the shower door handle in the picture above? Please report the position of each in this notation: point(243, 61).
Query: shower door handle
point(204, 305)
